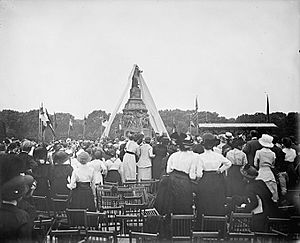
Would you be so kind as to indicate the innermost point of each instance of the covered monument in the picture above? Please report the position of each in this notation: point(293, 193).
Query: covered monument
point(140, 114)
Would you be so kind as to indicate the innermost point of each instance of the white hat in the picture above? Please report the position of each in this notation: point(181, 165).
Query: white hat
point(228, 135)
point(266, 141)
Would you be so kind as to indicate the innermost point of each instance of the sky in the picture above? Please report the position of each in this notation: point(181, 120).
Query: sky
point(76, 56)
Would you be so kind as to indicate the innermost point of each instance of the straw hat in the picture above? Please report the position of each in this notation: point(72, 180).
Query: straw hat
point(266, 141)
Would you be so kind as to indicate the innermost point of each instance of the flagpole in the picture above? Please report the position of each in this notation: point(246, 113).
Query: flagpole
point(39, 131)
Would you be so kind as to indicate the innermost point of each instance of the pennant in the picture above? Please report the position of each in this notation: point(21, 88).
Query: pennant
point(105, 123)
point(43, 118)
point(174, 129)
point(70, 124)
point(55, 120)
point(268, 109)
point(49, 123)
point(192, 124)
point(84, 121)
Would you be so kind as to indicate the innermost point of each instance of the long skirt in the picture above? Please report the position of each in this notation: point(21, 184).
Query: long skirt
point(210, 199)
point(144, 173)
point(113, 176)
point(129, 166)
point(181, 193)
point(234, 181)
point(82, 197)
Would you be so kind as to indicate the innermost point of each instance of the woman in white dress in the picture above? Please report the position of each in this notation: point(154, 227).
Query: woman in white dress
point(129, 159)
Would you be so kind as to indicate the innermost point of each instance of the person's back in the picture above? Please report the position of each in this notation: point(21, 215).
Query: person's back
point(251, 147)
point(15, 224)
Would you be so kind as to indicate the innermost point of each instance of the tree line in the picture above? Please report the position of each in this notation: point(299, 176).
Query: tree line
point(25, 124)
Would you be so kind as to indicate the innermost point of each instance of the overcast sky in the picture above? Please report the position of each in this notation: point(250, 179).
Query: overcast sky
point(76, 56)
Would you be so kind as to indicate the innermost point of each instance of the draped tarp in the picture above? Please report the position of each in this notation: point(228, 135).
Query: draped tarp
point(154, 117)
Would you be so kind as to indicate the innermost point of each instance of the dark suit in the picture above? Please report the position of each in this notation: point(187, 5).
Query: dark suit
point(250, 149)
point(15, 224)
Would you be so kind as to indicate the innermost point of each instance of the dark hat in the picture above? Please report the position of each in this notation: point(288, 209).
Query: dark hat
point(40, 153)
point(60, 157)
point(249, 171)
point(147, 139)
point(16, 187)
point(13, 184)
point(209, 140)
point(237, 142)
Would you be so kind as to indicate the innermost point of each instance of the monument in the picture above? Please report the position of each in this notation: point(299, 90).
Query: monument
point(135, 118)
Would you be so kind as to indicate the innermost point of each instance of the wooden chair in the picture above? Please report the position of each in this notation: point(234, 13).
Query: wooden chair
point(281, 225)
point(143, 237)
point(240, 223)
point(109, 201)
point(181, 227)
point(100, 236)
point(110, 214)
point(42, 206)
point(77, 218)
point(128, 223)
point(133, 199)
point(41, 229)
point(205, 236)
point(214, 224)
point(59, 210)
point(66, 236)
point(134, 209)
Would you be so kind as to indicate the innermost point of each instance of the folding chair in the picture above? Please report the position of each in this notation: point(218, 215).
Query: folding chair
point(41, 229)
point(281, 225)
point(240, 223)
point(59, 207)
point(181, 227)
point(128, 223)
point(143, 237)
point(100, 236)
point(205, 236)
point(214, 224)
point(134, 209)
point(110, 213)
point(66, 236)
point(42, 206)
point(77, 218)
point(109, 201)
point(133, 199)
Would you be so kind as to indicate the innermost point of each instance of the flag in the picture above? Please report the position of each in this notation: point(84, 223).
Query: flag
point(43, 118)
point(55, 120)
point(84, 121)
point(174, 126)
point(104, 123)
point(70, 124)
point(195, 114)
point(192, 124)
point(268, 109)
point(49, 123)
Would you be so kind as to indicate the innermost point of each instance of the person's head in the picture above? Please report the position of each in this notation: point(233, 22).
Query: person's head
point(237, 143)
point(147, 140)
point(208, 141)
point(111, 152)
point(248, 172)
point(60, 157)
point(83, 157)
point(185, 142)
point(266, 141)
point(26, 146)
point(254, 134)
point(12, 148)
point(287, 142)
point(98, 154)
point(40, 154)
point(198, 148)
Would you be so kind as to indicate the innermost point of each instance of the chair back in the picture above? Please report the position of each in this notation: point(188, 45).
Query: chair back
point(109, 201)
point(214, 224)
point(143, 237)
point(201, 236)
point(77, 218)
point(240, 223)
point(181, 226)
point(42, 206)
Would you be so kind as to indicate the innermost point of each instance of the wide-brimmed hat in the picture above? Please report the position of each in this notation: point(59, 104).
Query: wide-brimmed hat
point(188, 142)
point(266, 141)
point(83, 157)
point(16, 187)
point(249, 171)
point(60, 157)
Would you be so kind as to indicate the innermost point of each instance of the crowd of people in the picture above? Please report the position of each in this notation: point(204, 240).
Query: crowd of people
point(196, 174)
